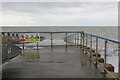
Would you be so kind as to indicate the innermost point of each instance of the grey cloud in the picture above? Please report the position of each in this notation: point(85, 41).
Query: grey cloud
point(48, 6)
point(39, 12)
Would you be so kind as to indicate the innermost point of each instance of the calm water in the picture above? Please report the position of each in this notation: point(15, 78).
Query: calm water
point(109, 32)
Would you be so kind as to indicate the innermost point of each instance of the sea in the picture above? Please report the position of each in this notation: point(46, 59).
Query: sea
point(105, 31)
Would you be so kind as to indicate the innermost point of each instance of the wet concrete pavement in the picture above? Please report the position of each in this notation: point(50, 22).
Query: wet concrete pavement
point(56, 63)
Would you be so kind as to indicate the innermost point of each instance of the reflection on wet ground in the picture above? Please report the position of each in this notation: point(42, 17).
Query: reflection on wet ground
point(56, 63)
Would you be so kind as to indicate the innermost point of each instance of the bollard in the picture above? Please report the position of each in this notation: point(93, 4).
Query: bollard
point(110, 67)
point(96, 55)
point(101, 60)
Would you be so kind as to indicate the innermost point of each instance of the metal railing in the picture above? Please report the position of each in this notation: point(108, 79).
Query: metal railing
point(50, 39)
point(91, 44)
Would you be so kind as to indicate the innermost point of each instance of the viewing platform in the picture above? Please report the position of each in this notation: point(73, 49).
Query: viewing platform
point(60, 55)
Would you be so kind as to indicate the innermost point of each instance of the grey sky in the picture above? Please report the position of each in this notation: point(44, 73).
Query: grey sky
point(60, 13)
point(60, 0)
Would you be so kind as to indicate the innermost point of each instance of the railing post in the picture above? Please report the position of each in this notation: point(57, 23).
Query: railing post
point(23, 48)
point(3, 34)
point(37, 43)
point(119, 61)
point(8, 34)
point(51, 41)
point(96, 49)
point(75, 38)
point(86, 42)
point(83, 41)
point(66, 41)
point(37, 46)
point(105, 56)
point(51, 47)
point(90, 46)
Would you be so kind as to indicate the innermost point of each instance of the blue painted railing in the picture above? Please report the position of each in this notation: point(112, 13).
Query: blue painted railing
point(111, 40)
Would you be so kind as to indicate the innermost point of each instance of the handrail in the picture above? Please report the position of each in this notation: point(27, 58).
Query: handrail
point(111, 40)
point(45, 32)
point(105, 50)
